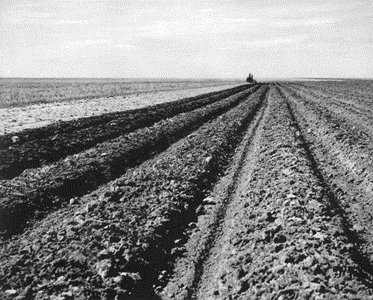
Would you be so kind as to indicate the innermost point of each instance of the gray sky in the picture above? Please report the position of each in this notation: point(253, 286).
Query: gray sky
point(186, 39)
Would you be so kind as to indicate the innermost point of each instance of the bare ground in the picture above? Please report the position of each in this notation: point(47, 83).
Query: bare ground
point(257, 192)
point(33, 116)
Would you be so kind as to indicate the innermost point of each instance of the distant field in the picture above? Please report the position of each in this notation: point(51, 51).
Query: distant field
point(16, 118)
point(20, 92)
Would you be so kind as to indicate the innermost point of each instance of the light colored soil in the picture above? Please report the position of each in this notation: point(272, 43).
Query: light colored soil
point(33, 116)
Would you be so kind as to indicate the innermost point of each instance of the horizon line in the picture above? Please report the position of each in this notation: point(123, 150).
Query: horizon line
point(184, 78)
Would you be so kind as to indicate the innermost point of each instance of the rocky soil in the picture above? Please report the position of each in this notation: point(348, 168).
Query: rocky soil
point(253, 192)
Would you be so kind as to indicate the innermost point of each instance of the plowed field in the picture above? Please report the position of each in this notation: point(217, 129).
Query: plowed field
point(253, 192)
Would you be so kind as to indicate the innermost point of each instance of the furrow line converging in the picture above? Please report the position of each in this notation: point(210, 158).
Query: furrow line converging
point(359, 257)
point(33, 151)
point(52, 186)
point(350, 188)
point(123, 238)
point(191, 268)
point(65, 127)
point(354, 117)
point(278, 241)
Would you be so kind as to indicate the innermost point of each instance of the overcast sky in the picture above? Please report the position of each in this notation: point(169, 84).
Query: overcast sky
point(186, 38)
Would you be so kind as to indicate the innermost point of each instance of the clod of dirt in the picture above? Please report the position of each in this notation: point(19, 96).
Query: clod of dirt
point(15, 139)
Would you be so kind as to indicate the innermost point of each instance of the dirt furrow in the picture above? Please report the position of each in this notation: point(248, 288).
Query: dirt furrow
point(189, 270)
point(265, 194)
point(122, 239)
point(360, 92)
point(336, 100)
point(354, 116)
point(67, 139)
point(349, 173)
point(357, 95)
point(280, 238)
point(40, 189)
point(356, 130)
point(28, 135)
point(353, 147)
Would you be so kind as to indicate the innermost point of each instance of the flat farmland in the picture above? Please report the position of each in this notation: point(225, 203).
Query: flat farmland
point(26, 91)
point(258, 191)
point(30, 103)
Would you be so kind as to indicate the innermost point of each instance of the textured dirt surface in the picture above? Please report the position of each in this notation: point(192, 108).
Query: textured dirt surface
point(276, 226)
point(75, 175)
point(257, 192)
point(40, 146)
point(37, 115)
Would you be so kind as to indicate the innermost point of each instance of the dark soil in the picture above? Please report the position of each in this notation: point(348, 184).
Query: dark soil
point(250, 193)
point(36, 147)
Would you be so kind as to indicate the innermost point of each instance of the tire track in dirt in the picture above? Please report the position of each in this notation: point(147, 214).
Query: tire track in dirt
point(122, 239)
point(49, 144)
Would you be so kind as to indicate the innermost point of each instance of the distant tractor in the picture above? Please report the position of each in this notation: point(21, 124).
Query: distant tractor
point(250, 79)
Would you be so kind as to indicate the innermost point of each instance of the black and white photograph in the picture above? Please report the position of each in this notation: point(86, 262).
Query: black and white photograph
point(186, 149)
